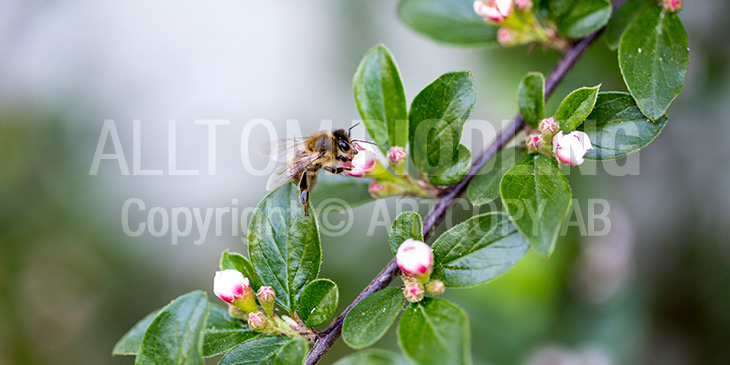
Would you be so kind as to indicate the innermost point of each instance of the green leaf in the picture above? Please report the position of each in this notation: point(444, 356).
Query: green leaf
point(236, 261)
point(653, 57)
point(259, 351)
point(436, 118)
point(336, 193)
point(318, 302)
point(223, 332)
point(132, 340)
point(406, 225)
point(537, 198)
point(381, 99)
point(584, 17)
point(284, 244)
point(175, 336)
point(477, 250)
point(622, 18)
point(294, 352)
point(618, 128)
point(574, 109)
point(531, 98)
point(434, 331)
point(484, 188)
point(370, 319)
point(448, 21)
point(455, 172)
point(373, 357)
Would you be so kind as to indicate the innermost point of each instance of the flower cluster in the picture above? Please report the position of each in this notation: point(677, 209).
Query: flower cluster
point(386, 182)
point(415, 259)
point(518, 24)
point(234, 288)
point(567, 148)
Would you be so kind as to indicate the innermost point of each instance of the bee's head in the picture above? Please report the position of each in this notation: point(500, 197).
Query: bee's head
point(344, 145)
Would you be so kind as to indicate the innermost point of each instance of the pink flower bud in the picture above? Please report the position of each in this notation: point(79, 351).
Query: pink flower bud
point(364, 162)
point(375, 189)
point(534, 142)
point(436, 287)
point(396, 155)
point(549, 126)
point(413, 292)
point(523, 5)
point(266, 296)
point(493, 10)
point(258, 322)
point(673, 5)
point(571, 148)
point(506, 36)
point(415, 258)
point(230, 285)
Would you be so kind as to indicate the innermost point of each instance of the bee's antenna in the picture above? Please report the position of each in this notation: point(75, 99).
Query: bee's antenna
point(368, 142)
point(350, 130)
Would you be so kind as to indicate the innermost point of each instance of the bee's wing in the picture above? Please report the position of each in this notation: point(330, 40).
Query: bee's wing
point(288, 171)
point(282, 150)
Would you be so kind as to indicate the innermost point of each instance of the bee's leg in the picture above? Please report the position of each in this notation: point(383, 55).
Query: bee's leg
point(304, 188)
point(337, 170)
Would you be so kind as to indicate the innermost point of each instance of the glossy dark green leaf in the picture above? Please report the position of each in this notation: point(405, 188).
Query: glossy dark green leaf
point(531, 98)
point(370, 319)
point(584, 17)
point(448, 21)
point(336, 193)
point(381, 99)
point(435, 331)
point(556, 8)
point(484, 188)
point(406, 225)
point(617, 127)
point(576, 107)
point(259, 351)
point(294, 352)
point(318, 302)
point(537, 198)
point(477, 250)
point(653, 57)
point(622, 18)
point(373, 357)
point(223, 332)
point(236, 261)
point(132, 340)
point(284, 244)
point(437, 117)
point(456, 172)
point(175, 336)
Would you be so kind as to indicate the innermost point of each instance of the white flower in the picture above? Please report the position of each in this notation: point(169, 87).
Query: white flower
point(415, 258)
point(230, 285)
point(571, 148)
point(364, 162)
point(493, 10)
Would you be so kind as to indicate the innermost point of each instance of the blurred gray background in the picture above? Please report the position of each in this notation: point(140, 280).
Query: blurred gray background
point(654, 290)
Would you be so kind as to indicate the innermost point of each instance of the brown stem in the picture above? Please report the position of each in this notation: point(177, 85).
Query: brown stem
point(327, 337)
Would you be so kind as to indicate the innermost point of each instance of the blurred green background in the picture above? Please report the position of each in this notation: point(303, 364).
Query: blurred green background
point(652, 290)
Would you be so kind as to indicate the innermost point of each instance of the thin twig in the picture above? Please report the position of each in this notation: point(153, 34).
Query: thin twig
point(328, 336)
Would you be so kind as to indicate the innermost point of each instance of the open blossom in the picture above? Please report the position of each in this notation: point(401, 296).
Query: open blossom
point(415, 258)
point(493, 10)
point(364, 162)
point(571, 148)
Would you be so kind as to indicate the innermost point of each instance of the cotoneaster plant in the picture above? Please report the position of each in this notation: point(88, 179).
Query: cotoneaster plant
point(272, 302)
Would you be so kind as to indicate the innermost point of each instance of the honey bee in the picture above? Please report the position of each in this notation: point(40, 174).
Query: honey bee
point(304, 157)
